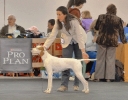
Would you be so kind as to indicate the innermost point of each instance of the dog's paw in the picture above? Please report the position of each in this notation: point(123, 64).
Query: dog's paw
point(47, 91)
point(85, 91)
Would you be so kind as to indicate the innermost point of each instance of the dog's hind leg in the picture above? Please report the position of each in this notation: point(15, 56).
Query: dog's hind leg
point(84, 82)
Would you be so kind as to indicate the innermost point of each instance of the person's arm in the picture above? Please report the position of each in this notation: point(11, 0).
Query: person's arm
point(121, 32)
point(80, 39)
point(90, 40)
point(79, 34)
point(85, 55)
point(52, 36)
point(92, 26)
point(98, 22)
point(22, 30)
point(2, 33)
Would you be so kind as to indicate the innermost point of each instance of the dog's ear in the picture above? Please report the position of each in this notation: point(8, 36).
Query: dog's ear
point(40, 48)
point(45, 49)
point(41, 53)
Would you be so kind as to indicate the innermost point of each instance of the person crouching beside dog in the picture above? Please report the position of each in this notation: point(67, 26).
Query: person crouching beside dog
point(72, 40)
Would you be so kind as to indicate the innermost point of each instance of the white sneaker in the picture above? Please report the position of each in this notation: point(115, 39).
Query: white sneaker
point(92, 76)
point(71, 78)
point(76, 88)
point(62, 89)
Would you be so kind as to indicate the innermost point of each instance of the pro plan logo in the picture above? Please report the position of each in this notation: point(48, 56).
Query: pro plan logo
point(15, 56)
point(58, 46)
point(15, 49)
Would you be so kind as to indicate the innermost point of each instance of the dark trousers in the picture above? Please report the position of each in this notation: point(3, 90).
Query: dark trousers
point(92, 55)
point(67, 53)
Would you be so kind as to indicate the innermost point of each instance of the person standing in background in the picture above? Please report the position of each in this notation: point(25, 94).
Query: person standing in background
point(74, 7)
point(110, 27)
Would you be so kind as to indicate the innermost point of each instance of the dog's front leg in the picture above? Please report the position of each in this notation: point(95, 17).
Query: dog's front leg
point(49, 88)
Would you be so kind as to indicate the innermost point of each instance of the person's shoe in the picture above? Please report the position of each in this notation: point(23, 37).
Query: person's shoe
point(108, 80)
point(96, 80)
point(62, 89)
point(71, 78)
point(76, 88)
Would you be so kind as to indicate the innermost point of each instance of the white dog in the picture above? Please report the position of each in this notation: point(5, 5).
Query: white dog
point(55, 64)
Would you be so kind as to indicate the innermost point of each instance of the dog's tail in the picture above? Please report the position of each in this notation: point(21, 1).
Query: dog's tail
point(87, 59)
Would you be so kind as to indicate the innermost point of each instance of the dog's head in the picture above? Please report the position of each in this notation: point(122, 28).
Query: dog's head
point(38, 50)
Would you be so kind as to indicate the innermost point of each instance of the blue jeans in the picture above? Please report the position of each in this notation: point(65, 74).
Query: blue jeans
point(67, 53)
point(92, 55)
point(71, 71)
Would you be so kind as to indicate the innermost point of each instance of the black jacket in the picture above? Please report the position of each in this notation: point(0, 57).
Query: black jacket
point(35, 36)
point(4, 30)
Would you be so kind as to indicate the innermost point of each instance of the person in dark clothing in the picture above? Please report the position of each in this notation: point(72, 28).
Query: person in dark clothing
point(110, 27)
point(11, 27)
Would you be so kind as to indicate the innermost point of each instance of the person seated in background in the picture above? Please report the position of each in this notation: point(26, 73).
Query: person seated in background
point(51, 24)
point(34, 32)
point(86, 20)
point(11, 27)
point(91, 48)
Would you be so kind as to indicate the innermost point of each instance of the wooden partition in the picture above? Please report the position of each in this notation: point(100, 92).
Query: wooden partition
point(57, 48)
point(122, 55)
point(36, 59)
point(126, 62)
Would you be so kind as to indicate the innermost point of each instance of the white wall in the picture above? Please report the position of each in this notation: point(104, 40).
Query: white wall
point(1, 13)
point(38, 12)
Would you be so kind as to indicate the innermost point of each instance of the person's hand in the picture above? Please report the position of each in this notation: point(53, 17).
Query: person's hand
point(94, 38)
point(45, 48)
point(124, 24)
point(10, 37)
point(85, 56)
